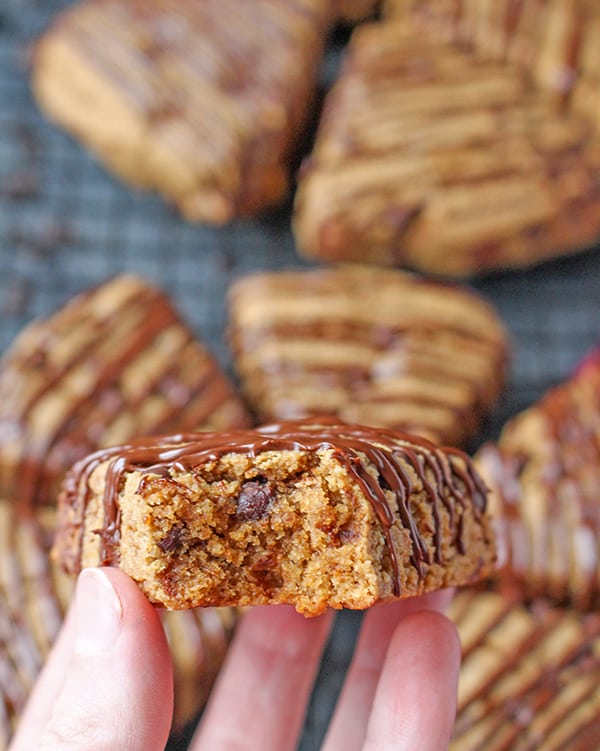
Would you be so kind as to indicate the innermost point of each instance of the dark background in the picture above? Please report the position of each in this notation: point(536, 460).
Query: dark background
point(65, 224)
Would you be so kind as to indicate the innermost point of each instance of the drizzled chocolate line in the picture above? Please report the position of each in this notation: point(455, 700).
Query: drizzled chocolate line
point(560, 475)
point(86, 417)
point(220, 47)
point(496, 702)
point(353, 447)
point(160, 316)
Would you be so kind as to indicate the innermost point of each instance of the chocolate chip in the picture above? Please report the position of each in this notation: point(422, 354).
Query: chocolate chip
point(255, 499)
point(173, 540)
point(383, 482)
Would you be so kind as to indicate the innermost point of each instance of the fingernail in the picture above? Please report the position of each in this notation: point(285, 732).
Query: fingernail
point(98, 613)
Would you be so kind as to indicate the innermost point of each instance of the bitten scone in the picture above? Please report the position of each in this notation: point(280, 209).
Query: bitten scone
point(315, 514)
point(34, 595)
point(530, 675)
point(202, 101)
point(429, 157)
point(544, 475)
point(371, 346)
point(114, 362)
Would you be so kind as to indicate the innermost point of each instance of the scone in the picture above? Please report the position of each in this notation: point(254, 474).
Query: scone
point(429, 157)
point(114, 362)
point(529, 678)
point(544, 475)
point(204, 102)
point(316, 514)
point(371, 346)
point(34, 594)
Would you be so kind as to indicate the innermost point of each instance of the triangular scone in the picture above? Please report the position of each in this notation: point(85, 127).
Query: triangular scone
point(34, 595)
point(530, 675)
point(315, 514)
point(113, 363)
point(372, 346)
point(204, 102)
point(544, 475)
point(430, 157)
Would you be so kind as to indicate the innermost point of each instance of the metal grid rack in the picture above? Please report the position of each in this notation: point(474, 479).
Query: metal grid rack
point(65, 224)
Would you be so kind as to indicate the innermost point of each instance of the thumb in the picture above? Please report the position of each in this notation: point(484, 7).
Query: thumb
point(117, 690)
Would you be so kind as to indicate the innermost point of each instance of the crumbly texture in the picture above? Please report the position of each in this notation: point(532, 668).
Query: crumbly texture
point(34, 596)
point(204, 102)
point(431, 157)
point(529, 676)
point(278, 526)
point(113, 362)
point(544, 475)
point(371, 346)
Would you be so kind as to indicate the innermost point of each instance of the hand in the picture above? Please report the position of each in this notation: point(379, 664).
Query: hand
point(108, 684)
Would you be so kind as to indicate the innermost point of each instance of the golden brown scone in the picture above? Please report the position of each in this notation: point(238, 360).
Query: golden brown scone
point(34, 595)
point(114, 362)
point(202, 101)
point(529, 678)
point(371, 346)
point(544, 475)
point(316, 514)
point(429, 157)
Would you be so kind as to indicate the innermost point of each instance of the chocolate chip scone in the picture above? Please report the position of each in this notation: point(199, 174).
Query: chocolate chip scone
point(544, 475)
point(34, 595)
point(429, 157)
point(114, 362)
point(530, 675)
point(316, 514)
point(371, 346)
point(202, 101)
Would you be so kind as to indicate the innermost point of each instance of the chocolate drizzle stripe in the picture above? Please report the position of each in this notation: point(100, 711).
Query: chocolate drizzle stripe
point(161, 315)
point(564, 474)
point(550, 671)
point(206, 395)
point(160, 57)
point(387, 452)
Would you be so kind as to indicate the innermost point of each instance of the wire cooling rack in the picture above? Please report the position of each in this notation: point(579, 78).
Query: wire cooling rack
point(65, 225)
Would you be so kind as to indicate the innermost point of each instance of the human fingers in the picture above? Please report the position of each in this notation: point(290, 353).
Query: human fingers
point(415, 701)
point(108, 683)
point(48, 686)
point(261, 696)
point(349, 723)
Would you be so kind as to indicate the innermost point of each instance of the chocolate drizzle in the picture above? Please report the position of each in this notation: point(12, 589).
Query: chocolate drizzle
point(545, 492)
point(445, 475)
point(529, 687)
point(107, 338)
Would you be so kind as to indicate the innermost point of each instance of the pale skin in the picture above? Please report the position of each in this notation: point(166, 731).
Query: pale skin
point(108, 682)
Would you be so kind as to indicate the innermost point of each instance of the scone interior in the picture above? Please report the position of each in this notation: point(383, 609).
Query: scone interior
point(314, 520)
